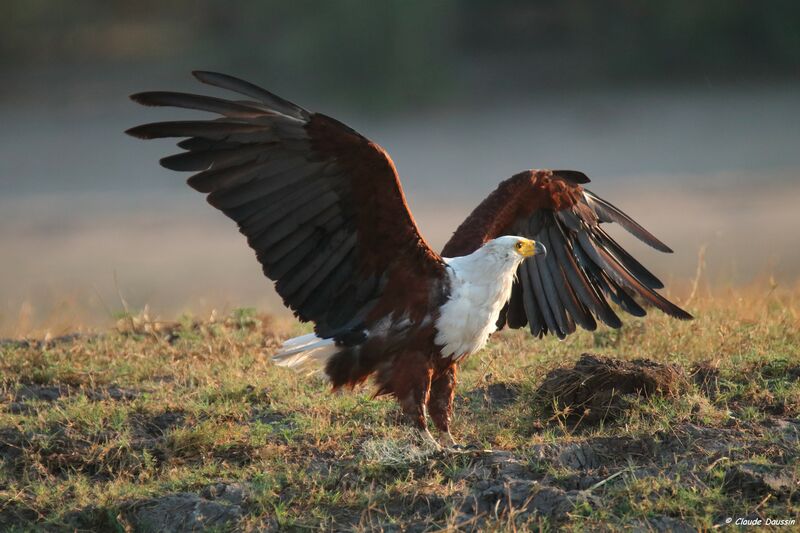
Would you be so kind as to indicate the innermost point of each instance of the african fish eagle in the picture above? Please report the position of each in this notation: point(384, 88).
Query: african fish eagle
point(323, 208)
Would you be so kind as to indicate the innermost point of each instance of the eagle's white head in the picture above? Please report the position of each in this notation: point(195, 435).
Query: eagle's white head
point(512, 249)
point(497, 258)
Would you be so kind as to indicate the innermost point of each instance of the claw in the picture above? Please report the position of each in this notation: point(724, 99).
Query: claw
point(447, 440)
point(428, 440)
point(454, 447)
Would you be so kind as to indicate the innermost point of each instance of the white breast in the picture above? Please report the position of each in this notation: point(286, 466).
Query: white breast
point(480, 284)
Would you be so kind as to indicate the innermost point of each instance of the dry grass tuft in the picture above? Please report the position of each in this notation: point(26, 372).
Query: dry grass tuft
point(397, 453)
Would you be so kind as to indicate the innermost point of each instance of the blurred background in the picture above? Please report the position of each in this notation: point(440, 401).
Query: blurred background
point(685, 114)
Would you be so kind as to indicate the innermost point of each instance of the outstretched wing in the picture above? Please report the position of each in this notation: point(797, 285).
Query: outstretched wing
point(321, 205)
point(584, 266)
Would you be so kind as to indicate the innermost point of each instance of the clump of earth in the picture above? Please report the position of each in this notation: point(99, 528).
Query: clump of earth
point(600, 388)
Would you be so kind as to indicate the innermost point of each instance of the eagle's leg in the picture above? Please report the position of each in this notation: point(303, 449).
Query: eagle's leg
point(411, 385)
point(440, 402)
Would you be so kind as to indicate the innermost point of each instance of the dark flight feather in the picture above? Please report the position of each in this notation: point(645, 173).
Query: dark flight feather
point(198, 143)
point(626, 259)
point(203, 159)
point(231, 188)
point(579, 310)
point(610, 213)
point(515, 314)
point(574, 312)
point(201, 103)
point(277, 103)
point(212, 130)
point(541, 297)
point(535, 318)
point(315, 270)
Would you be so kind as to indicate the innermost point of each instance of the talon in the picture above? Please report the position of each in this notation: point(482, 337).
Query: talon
point(428, 440)
point(447, 440)
point(470, 448)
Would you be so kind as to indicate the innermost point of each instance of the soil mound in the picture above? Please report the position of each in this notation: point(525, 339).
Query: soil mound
point(597, 388)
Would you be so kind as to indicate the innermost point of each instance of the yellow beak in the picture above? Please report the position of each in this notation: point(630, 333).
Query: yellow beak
point(528, 248)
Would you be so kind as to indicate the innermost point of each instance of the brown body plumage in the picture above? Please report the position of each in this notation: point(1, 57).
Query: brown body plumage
point(323, 208)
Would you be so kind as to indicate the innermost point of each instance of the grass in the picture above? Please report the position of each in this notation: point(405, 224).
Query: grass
point(94, 428)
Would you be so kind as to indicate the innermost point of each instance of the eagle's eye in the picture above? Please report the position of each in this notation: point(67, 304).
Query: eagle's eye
point(519, 245)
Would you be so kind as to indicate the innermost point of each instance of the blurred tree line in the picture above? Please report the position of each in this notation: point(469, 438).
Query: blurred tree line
point(389, 53)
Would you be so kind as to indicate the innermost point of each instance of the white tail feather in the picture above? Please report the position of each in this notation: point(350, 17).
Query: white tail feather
point(306, 350)
point(296, 342)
